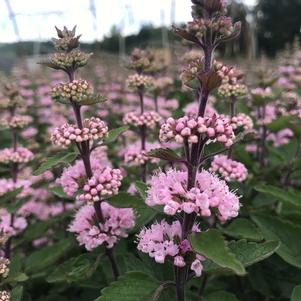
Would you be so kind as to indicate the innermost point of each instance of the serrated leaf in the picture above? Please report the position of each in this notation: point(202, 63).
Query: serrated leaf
point(282, 195)
point(212, 245)
point(249, 253)
point(60, 158)
point(142, 189)
point(288, 234)
point(165, 154)
point(133, 286)
point(74, 269)
point(221, 296)
point(113, 134)
point(296, 294)
point(17, 293)
point(47, 256)
point(243, 228)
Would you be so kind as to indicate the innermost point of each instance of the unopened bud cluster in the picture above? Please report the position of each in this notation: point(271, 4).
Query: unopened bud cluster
point(77, 91)
point(207, 128)
point(65, 60)
point(229, 169)
point(149, 118)
point(93, 129)
point(4, 267)
point(17, 121)
point(139, 81)
point(235, 90)
point(104, 183)
point(140, 59)
point(242, 122)
point(20, 155)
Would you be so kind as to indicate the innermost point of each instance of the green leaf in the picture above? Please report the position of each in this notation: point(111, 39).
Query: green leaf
point(221, 296)
point(133, 286)
point(47, 256)
point(288, 234)
point(243, 228)
point(296, 294)
point(58, 191)
point(17, 293)
point(125, 200)
point(280, 123)
point(142, 189)
point(15, 266)
point(60, 158)
point(249, 253)
point(74, 269)
point(10, 196)
point(282, 195)
point(113, 134)
point(212, 245)
point(165, 154)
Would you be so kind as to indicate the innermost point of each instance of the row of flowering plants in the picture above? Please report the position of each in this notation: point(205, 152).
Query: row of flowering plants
point(141, 186)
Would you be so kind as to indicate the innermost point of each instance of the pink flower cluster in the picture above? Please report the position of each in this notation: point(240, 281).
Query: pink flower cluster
point(229, 169)
point(208, 128)
point(20, 155)
point(280, 138)
point(92, 233)
point(149, 118)
point(7, 185)
point(93, 129)
point(170, 190)
point(17, 121)
point(242, 122)
point(163, 240)
point(7, 227)
point(105, 182)
point(135, 156)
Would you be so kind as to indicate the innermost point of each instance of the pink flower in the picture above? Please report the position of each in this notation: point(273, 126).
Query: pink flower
point(20, 155)
point(92, 233)
point(163, 240)
point(170, 190)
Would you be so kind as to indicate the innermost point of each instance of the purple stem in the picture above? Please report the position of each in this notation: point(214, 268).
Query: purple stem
point(85, 154)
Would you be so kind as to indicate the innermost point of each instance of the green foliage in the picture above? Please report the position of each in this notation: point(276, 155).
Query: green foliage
point(296, 294)
point(133, 286)
point(287, 233)
point(221, 296)
point(115, 133)
point(213, 246)
point(47, 256)
point(60, 158)
point(243, 228)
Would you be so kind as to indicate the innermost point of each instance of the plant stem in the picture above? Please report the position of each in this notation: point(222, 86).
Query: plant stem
point(232, 114)
point(85, 154)
point(193, 167)
point(142, 133)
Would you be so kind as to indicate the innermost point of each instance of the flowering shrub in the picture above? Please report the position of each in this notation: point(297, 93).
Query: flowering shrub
point(171, 179)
